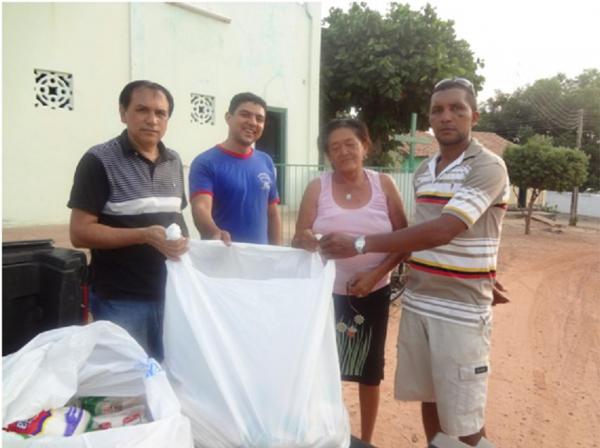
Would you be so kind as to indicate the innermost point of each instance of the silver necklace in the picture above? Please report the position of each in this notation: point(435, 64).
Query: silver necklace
point(348, 196)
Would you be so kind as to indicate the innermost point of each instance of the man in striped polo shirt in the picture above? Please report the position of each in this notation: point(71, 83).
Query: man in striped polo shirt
point(125, 193)
point(444, 337)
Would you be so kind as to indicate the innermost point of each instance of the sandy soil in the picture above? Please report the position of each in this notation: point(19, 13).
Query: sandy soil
point(544, 390)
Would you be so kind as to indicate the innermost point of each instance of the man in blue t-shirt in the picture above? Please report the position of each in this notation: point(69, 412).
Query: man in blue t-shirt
point(233, 187)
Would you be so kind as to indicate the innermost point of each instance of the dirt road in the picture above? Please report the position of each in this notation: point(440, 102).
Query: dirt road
point(544, 389)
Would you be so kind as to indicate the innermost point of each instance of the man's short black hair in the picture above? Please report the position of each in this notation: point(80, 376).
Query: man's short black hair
point(458, 83)
point(245, 97)
point(127, 92)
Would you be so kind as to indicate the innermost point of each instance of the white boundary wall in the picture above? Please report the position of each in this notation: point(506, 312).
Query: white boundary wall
point(588, 204)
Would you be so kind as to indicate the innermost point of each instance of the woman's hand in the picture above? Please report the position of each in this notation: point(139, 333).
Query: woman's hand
point(362, 283)
point(306, 240)
point(338, 245)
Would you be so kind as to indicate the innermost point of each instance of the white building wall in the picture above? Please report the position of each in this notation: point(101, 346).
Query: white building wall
point(41, 146)
point(266, 48)
point(271, 49)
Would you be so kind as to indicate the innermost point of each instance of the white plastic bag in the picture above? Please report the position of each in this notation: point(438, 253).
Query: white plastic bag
point(99, 359)
point(250, 347)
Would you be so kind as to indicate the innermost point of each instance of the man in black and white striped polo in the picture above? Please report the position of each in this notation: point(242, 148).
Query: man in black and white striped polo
point(126, 191)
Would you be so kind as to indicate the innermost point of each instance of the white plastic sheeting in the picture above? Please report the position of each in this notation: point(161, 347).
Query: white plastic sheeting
point(250, 346)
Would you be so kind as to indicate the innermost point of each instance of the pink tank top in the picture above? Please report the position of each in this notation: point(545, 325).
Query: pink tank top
point(372, 218)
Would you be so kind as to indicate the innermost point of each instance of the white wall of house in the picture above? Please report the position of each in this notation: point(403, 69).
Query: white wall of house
point(41, 146)
point(588, 204)
point(214, 49)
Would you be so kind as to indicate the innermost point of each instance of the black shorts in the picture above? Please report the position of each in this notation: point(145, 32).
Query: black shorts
point(361, 329)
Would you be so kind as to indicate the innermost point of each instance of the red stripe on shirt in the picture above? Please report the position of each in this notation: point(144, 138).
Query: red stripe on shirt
point(247, 154)
point(199, 192)
point(433, 200)
point(454, 274)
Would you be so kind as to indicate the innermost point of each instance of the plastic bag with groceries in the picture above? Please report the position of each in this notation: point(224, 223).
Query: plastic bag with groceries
point(88, 386)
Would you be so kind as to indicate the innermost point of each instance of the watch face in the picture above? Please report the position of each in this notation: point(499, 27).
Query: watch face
point(359, 244)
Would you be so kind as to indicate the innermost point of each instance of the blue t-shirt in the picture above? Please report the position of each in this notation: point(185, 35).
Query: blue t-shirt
point(242, 187)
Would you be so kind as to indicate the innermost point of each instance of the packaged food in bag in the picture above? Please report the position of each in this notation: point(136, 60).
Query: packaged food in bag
point(126, 417)
point(108, 405)
point(64, 421)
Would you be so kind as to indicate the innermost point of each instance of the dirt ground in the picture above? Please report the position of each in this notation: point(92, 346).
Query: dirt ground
point(544, 389)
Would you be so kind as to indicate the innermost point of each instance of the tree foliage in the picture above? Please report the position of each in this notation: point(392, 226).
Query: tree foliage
point(384, 66)
point(539, 166)
point(551, 107)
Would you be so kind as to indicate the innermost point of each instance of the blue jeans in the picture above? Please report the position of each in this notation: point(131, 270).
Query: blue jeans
point(142, 319)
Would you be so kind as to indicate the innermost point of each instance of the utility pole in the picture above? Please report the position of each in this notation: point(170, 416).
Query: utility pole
point(575, 194)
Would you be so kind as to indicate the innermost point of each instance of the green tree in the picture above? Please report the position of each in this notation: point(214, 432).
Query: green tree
point(539, 166)
point(551, 107)
point(383, 67)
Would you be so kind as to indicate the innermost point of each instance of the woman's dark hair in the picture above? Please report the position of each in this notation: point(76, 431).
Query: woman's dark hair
point(356, 126)
point(127, 92)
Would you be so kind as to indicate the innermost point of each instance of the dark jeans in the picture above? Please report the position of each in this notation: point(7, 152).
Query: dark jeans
point(142, 319)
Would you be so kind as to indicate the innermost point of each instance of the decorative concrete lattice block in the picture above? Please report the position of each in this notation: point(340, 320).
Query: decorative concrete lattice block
point(53, 90)
point(203, 109)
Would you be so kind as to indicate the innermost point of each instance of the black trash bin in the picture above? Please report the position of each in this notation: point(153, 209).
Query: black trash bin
point(41, 290)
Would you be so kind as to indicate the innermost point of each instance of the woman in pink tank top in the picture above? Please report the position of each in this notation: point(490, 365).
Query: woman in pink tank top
point(357, 201)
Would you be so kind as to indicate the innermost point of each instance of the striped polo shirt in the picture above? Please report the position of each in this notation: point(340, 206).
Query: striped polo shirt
point(125, 190)
point(454, 281)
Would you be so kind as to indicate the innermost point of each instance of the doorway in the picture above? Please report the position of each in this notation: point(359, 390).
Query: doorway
point(273, 142)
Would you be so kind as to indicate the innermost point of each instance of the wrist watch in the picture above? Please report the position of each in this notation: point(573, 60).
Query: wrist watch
point(359, 244)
